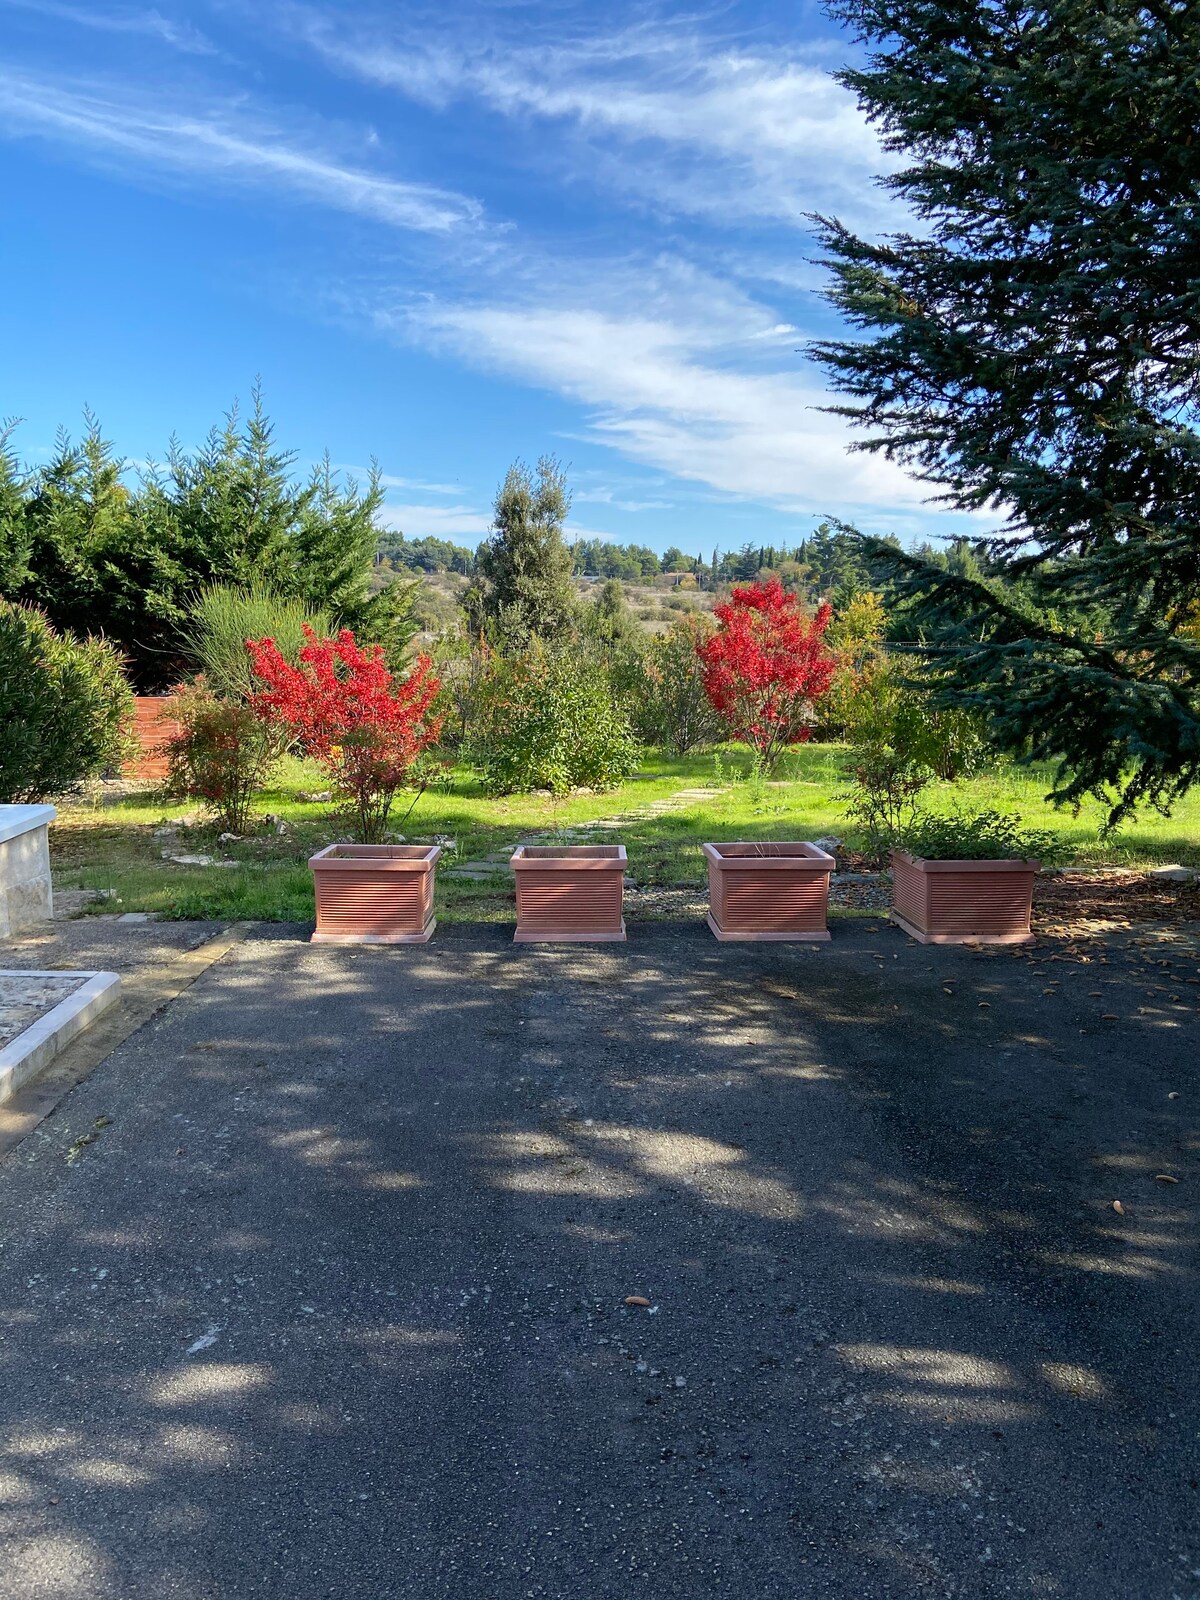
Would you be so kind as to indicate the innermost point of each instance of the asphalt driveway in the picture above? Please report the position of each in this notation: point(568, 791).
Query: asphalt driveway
point(333, 1301)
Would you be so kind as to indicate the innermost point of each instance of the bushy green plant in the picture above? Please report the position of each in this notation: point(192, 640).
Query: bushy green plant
point(223, 618)
point(670, 707)
point(65, 707)
point(547, 720)
point(899, 743)
point(222, 754)
point(987, 835)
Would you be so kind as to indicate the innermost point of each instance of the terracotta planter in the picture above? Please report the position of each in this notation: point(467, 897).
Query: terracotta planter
point(963, 902)
point(768, 891)
point(569, 893)
point(375, 893)
point(153, 726)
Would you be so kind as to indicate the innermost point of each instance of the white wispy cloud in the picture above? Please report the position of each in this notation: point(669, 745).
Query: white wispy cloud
point(682, 388)
point(606, 497)
point(444, 522)
point(688, 122)
point(225, 144)
point(389, 481)
point(149, 24)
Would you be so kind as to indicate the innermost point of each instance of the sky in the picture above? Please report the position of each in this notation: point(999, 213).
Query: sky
point(446, 238)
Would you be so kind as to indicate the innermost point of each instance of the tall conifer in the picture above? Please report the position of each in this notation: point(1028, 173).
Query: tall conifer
point(1032, 349)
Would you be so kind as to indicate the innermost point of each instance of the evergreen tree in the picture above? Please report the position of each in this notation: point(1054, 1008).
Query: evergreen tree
point(610, 624)
point(76, 508)
point(525, 564)
point(14, 525)
point(129, 562)
point(1036, 348)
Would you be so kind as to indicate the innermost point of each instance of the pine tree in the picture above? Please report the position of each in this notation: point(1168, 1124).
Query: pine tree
point(1035, 347)
point(14, 525)
point(128, 561)
point(76, 508)
point(525, 564)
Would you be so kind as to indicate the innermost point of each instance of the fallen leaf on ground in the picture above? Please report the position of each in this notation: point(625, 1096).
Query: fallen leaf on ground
point(1118, 1208)
point(636, 1300)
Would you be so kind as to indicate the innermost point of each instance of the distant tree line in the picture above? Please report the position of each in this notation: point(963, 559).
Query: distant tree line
point(829, 563)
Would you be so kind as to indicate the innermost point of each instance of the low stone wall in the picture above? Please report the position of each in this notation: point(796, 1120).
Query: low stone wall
point(26, 897)
point(154, 725)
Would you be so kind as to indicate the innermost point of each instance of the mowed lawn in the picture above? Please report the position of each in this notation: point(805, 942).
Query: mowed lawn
point(114, 846)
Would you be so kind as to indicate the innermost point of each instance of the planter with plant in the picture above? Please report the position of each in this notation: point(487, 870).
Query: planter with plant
point(375, 893)
point(370, 732)
point(768, 891)
point(967, 878)
point(570, 893)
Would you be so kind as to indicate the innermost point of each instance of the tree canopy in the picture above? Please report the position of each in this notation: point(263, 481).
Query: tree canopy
point(104, 551)
point(1033, 349)
point(525, 565)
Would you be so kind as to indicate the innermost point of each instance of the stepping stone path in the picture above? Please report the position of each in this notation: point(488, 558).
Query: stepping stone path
point(496, 865)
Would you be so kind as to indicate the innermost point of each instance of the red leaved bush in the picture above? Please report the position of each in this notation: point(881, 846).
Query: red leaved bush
point(765, 666)
point(343, 706)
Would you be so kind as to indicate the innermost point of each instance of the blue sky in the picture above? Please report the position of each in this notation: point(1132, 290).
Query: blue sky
point(446, 237)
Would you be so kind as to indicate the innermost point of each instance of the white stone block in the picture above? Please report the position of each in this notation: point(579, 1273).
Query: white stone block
point(26, 897)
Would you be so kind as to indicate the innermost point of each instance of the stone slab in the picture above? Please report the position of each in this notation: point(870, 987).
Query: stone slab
point(87, 996)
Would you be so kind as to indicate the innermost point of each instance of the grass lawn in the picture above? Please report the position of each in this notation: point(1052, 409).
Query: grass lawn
point(114, 846)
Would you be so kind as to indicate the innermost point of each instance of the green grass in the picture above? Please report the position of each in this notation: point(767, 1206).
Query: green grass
point(114, 848)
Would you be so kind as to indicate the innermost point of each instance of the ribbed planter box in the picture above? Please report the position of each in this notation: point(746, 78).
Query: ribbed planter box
point(569, 894)
point(963, 902)
point(153, 726)
point(768, 891)
point(375, 893)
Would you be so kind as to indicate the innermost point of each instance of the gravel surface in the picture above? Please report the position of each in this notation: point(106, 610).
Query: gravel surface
point(482, 1272)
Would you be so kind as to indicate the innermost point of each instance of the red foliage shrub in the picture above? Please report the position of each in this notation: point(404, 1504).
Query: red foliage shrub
point(343, 706)
point(765, 666)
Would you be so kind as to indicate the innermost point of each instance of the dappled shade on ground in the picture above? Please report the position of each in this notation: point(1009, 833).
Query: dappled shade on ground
point(337, 1300)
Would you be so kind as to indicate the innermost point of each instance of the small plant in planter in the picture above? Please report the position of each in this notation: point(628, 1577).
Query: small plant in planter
point(967, 877)
point(768, 891)
point(370, 732)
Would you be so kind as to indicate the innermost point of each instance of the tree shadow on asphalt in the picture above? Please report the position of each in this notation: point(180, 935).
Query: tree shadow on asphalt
point(360, 1261)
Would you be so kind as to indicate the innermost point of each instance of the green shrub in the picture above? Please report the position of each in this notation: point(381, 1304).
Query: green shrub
point(222, 754)
point(899, 743)
point(549, 721)
point(65, 707)
point(669, 706)
point(978, 836)
point(224, 617)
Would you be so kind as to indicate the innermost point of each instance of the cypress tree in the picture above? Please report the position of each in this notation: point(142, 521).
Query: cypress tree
point(525, 564)
point(1033, 349)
